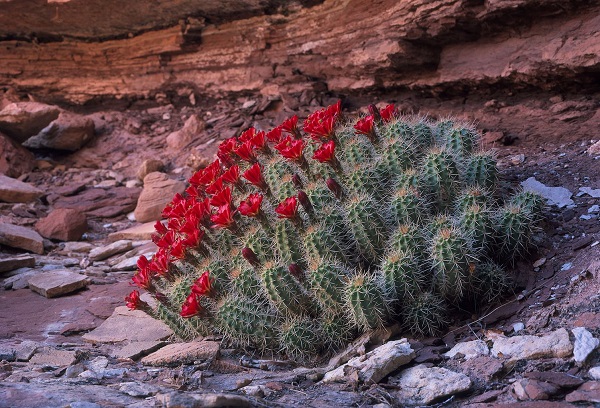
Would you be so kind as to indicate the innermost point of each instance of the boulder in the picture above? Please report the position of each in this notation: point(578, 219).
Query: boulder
point(421, 385)
point(554, 344)
point(21, 237)
point(184, 136)
point(21, 120)
point(157, 193)
point(15, 191)
point(63, 224)
point(68, 132)
point(14, 159)
point(149, 166)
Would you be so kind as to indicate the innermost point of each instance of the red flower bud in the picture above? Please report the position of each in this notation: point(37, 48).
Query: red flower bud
point(250, 256)
point(335, 188)
point(296, 271)
point(305, 202)
point(297, 181)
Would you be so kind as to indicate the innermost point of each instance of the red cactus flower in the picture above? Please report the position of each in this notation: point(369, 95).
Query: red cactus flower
point(290, 125)
point(160, 228)
point(335, 109)
point(251, 206)
point(193, 238)
point(275, 135)
point(325, 153)
point(160, 262)
point(247, 135)
point(259, 141)
point(288, 208)
point(190, 307)
point(388, 113)
point(133, 300)
point(365, 125)
point(203, 285)
point(177, 251)
point(245, 151)
point(167, 240)
point(223, 218)
point(291, 148)
point(320, 124)
point(254, 176)
point(207, 175)
point(231, 175)
point(215, 187)
point(225, 152)
point(222, 198)
point(142, 278)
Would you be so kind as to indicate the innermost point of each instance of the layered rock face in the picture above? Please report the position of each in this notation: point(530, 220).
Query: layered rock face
point(444, 47)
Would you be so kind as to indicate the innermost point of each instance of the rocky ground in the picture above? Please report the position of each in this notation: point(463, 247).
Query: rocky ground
point(76, 210)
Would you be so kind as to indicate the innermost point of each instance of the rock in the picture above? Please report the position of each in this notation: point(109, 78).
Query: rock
point(157, 193)
point(100, 253)
point(14, 159)
point(57, 283)
point(138, 389)
point(16, 262)
point(588, 319)
point(130, 264)
point(20, 280)
point(49, 356)
point(527, 389)
point(562, 380)
point(559, 196)
point(149, 166)
point(203, 400)
point(469, 349)
point(21, 120)
point(421, 385)
point(594, 149)
point(15, 191)
point(132, 325)
point(183, 353)
point(138, 233)
point(137, 349)
point(190, 130)
point(18, 352)
point(376, 364)
point(101, 203)
point(585, 344)
point(76, 247)
point(595, 193)
point(21, 237)
point(588, 392)
point(554, 344)
point(594, 373)
point(63, 224)
point(257, 391)
point(68, 132)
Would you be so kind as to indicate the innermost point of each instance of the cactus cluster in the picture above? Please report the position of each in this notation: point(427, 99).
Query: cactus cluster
point(298, 239)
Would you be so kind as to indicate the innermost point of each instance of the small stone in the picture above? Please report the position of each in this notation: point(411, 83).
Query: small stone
point(594, 373)
point(559, 196)
point(587, 392)
point(139, 232)
point(98, 364)
point(376, 364)
point(516, 159)
point(76, 247)
point(257, 391)
point(74, 370)
point(183, 353)
point(594, 149)
point(242, 382)
point(595, 193)
point(554, 344)
point(149, 166)
point(469, 349)
point(63, 224)
point(101, 253)
point(137, 389)
point(107, 184)
point(132, 325)
point(15, 160)
point(517, 327)
point(57, 283)
point(158, 191)
point(421, 385)
point(539, 262)
point(49, 356)
point(16, 262)
point(137, 349)
point(566, 266)
point(21, 237)
point(562, 380)
point(204, 400)
point(585, 344)
point(527, 389)
point(15, 191)
point(594, 209)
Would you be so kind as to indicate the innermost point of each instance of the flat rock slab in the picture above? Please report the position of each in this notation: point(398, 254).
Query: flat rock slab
point(469, 349)
point(204, 400)
point(15, 191)
point(52, 357)
point(20, 237)
point(101, 253)
point(183, 353)
point(138, 233)
point(559, 196)
point(588, 392)
point(376, 364)
point(137, 349)
point(128, 325)
point(12, 263)
point(554, 344)
point(585, 344)
point(18, 352)
point(57, 283)
point(421, 385)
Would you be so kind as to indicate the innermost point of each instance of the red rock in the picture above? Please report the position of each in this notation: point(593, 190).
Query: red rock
point(15, 191)
point(590, 320)
point(149, 166)
point(527, 389)
point(588, 392)
point(190, 130)
point(119, 200)
point(20, 237)
point(22, 120)
point(158, 192)
point(562, 380)
point(68, 132)
point(63, 224)
point(14, 159)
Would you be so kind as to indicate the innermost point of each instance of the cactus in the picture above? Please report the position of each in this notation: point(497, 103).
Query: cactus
point(300, 238)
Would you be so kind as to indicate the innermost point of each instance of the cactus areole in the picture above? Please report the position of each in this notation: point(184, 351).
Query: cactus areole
point(298, 239)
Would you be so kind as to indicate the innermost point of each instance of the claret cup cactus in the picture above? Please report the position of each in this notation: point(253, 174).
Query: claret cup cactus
point(298, 239)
